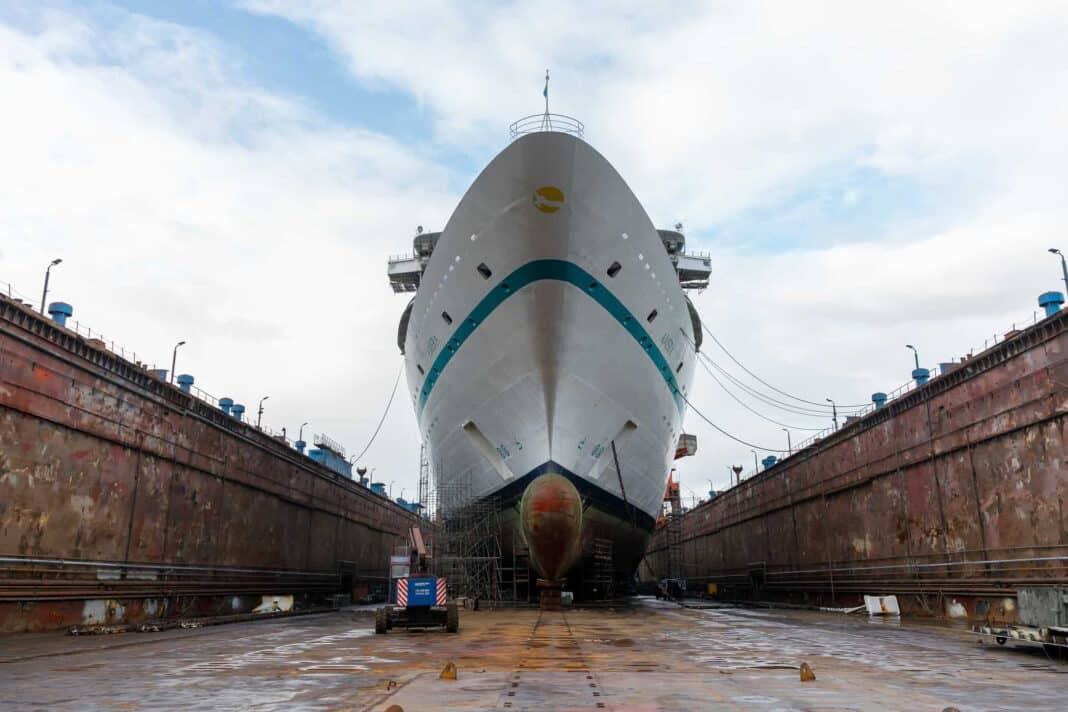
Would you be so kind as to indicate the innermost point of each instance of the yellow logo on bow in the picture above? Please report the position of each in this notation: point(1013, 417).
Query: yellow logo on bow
point(548, 199)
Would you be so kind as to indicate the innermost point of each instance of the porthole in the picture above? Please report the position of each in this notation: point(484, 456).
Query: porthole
point(421, 372)
point(485, 271)
point(613, 269)
point(679, 367)
point(446, 317)
point(652, 315)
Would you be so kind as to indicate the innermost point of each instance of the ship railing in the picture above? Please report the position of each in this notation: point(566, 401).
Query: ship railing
point(536, 123)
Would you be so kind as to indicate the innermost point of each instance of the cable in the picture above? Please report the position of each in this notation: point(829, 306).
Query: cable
point(383, 419)
point(793, 408)
point(767, 400)
point(755, 412)
point(821, 405)
point(732, 437)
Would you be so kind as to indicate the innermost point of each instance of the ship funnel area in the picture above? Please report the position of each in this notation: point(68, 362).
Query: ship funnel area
point(550, 516)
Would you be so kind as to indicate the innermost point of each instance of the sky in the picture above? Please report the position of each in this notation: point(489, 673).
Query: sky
point(235, 174)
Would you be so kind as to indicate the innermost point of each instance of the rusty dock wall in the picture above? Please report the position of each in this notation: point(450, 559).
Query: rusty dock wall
point(124, 498)
point(950, 496)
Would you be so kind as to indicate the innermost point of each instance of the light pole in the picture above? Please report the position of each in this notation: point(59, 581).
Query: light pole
point(300, 436)
point(1054, 250)
point(834, 412)
point(402, 492)
point(789, 445)
point(756, 466)
point(915, 354)
point(174, 359)
point(44, 294)
point(259, 415)
point(391, 488)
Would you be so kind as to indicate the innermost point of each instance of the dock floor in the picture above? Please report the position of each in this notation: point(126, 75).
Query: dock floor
point(649, 655)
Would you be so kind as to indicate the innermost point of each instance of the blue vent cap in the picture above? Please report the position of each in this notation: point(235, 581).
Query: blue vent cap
point(921, 375)
point(185, 382)
point(1050, 301)
point(879, 399)
point(60, 311)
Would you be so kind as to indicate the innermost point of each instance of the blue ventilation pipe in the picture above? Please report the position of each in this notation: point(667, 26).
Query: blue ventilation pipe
point(769, 461)
point(379, 488)
point(60, 311)
point(1050, 301)
point(225, 404)
point(237, 410)
point(921, 375)
point(185, 382)
point(879, 399)
point(300, 445)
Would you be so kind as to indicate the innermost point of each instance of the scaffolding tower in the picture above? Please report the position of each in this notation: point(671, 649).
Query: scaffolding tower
point(674, 529)
point(467, 541)
point(424, 481)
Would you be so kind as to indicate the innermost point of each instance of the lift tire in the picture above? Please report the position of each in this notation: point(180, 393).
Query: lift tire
point(389, 616)
point(381, 621)
point(452, 617)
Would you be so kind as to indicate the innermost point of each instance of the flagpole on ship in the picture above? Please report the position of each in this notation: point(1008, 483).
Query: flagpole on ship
point(546, 122)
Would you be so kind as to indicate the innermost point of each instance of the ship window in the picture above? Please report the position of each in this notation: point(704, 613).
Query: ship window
point(652, 315)
point(421, 372)
point(485, 271)
point(446, 317)
point(679, 367)
point(613, 269)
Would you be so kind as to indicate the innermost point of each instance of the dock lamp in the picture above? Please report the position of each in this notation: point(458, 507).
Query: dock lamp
point(1054, 250)
point(259, 415)
point(915, 354)
point(834, 411)
point(174, 359)
point(48, 272)
point(756, 465)
point(789, 445)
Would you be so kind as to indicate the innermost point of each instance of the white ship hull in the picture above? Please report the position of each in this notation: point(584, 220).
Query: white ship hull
point(525, 355)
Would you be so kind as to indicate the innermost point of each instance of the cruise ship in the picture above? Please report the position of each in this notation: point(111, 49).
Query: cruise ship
point(549, 349)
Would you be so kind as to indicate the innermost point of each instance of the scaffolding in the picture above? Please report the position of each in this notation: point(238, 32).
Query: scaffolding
point(674, 529)
point(424, 481)
point(467, 542)
point(599, 581)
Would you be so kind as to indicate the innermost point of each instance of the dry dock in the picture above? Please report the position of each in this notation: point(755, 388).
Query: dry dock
point(645, 656)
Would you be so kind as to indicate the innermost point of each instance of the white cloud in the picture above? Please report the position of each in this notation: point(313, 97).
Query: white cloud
point(709, 110)
point(190, 203)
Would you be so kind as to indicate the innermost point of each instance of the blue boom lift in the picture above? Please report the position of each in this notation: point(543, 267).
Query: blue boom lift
point(421, 599)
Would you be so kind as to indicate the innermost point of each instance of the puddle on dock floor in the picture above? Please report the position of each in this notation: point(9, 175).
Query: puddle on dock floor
point(649, 656)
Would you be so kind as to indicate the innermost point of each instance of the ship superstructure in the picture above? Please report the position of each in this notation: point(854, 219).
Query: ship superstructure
point(550, 335)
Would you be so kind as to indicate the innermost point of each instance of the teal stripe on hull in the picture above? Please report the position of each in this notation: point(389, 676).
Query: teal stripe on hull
point(563, 271)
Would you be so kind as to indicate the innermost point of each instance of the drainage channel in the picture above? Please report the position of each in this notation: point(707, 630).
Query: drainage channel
point(552, 668)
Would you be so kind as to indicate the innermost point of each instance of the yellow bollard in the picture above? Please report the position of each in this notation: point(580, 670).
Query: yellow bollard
point(448, 672)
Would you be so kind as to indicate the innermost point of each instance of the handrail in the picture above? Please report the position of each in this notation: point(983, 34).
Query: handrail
point(536, 123)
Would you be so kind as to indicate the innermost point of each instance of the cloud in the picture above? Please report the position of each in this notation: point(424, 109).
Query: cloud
point(865, 176)
point(188, 203)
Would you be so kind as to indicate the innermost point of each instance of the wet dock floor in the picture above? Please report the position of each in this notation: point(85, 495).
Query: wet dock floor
point(646, 656)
